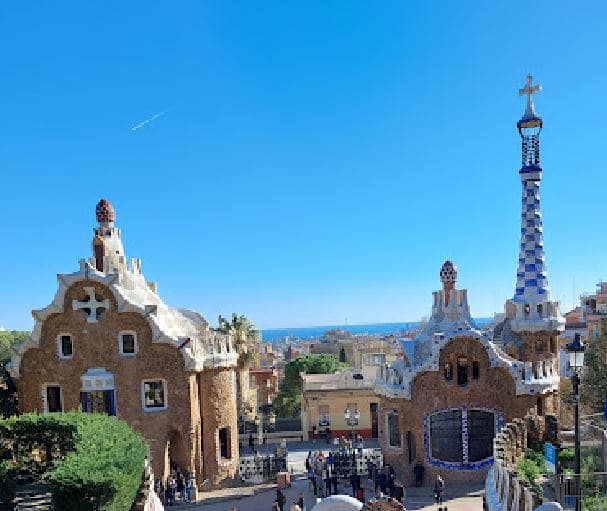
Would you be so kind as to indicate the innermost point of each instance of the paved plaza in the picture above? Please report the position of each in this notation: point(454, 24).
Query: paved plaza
point(457, 498)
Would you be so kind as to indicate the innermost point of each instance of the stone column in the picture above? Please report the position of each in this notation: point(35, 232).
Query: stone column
point(219, 411)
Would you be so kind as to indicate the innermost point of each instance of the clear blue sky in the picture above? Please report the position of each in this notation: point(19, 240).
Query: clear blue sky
point(319, 160)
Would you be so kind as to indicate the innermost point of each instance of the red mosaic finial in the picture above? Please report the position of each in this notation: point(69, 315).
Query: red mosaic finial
point(105, 211)
point(448, 273)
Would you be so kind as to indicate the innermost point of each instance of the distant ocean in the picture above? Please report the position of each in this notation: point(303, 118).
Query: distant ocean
point(314, 332)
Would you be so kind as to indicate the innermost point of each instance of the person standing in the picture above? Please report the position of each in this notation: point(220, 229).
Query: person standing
point(334, 480)
point(418, 470)
point(439, 488)
point(327, 474)
point(301, 502)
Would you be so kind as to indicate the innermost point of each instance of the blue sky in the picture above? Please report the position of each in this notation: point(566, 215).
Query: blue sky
point(318, 161)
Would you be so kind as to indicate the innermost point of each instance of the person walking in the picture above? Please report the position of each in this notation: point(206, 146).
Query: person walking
point(281, 499)
point(390, 485)
point(439, 488)
point(180, 486)
point(301, 502)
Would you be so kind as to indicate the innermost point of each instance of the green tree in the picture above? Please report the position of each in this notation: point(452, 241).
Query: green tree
point(246, 337)
point(8, 338)
point(287, 403)
point(594, 381)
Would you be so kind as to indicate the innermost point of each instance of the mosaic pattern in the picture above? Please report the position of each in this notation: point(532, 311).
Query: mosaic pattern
point(448, 272)
point(104, 211)
point(532, 280)
point(465, 465)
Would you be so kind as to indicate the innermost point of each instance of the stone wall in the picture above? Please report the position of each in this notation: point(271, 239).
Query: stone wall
point(218, 405)
point(504, 491)
point(494, 390)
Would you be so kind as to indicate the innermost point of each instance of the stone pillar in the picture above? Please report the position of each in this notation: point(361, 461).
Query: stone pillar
point(219, 417)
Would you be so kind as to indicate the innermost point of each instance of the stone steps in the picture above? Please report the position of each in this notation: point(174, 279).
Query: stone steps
point(33, 497)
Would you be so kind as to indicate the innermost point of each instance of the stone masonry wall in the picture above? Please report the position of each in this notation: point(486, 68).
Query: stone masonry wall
point(504, 490)
point(218, 405)
point(431, 392)
point(96, 345)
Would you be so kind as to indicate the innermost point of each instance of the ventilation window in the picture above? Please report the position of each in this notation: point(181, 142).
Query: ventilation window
point(127, 343)
point(154, 395)
point(65, 346)
point(225, 447)
point(462, 371)
point(539, 346)
point(476, 370)
point(394, 430)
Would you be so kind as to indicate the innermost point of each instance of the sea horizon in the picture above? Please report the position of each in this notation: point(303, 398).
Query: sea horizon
point(314, 332)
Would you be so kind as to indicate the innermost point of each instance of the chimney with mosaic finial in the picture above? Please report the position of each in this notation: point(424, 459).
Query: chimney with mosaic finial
point(108, 252)
point(531, 309)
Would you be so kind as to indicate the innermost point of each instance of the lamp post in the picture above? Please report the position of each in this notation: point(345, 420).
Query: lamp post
point(576, 349)
point(352, 416)
point(264, 420)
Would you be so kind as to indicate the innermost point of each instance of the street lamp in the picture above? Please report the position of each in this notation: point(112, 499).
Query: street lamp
point(576, 349)
point(352, 416)
point(268, 418)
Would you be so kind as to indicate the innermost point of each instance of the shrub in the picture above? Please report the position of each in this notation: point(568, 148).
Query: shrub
point(104, 472)
point(93, 462)
point(8, 481)
point(531, 467)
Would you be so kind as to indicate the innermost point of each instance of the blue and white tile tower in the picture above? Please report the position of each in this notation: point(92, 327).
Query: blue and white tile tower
point(532, 296)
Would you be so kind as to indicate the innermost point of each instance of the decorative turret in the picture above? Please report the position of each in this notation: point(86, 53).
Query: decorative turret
point(108, 252)
point(531, 308)
point(448, 276)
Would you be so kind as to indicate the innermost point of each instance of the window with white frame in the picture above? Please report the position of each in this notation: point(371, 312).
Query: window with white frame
point(323, 415)
point(65, 346)
point(53, 401)
point(127, 343)
point(154, 394)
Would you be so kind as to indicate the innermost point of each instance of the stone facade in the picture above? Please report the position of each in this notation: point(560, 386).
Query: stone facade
point(107, 343)
point(503, 488)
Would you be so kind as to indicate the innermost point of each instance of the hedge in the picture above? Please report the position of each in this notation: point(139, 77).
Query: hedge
point(94, 462)
point(8, 481)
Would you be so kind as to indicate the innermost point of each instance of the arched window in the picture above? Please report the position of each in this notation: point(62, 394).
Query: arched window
point(462, 370)
point(448, 371)
point(476, 370)
point(461, 436)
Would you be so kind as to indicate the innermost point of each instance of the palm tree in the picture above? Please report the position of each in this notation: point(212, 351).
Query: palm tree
point(246, 337)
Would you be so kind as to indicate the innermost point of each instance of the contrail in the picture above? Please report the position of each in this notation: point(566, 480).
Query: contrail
point(147, 121)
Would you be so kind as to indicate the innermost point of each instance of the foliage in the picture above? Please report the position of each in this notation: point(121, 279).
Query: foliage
point(531, 467)
point(9, 338)
point(594, 503)
point(8, 481)
point(246, 337)
point(288, 401)
point(91, 461)
point(567, 455)
point(8, 393)
point(594, 382)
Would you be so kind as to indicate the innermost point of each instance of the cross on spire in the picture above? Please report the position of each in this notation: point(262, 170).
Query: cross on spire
point(529, 89)
point(91, 305)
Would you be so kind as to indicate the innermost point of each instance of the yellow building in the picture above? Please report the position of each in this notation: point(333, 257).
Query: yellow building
point(326, 398)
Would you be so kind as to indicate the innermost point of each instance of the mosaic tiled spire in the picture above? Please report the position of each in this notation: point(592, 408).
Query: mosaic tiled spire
point(532, 280)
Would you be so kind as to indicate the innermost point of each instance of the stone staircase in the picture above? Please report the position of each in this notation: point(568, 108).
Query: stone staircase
point(33, 497)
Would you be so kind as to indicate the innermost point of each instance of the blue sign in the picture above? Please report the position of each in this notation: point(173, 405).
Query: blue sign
point(605, 409)
point(550, 458)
